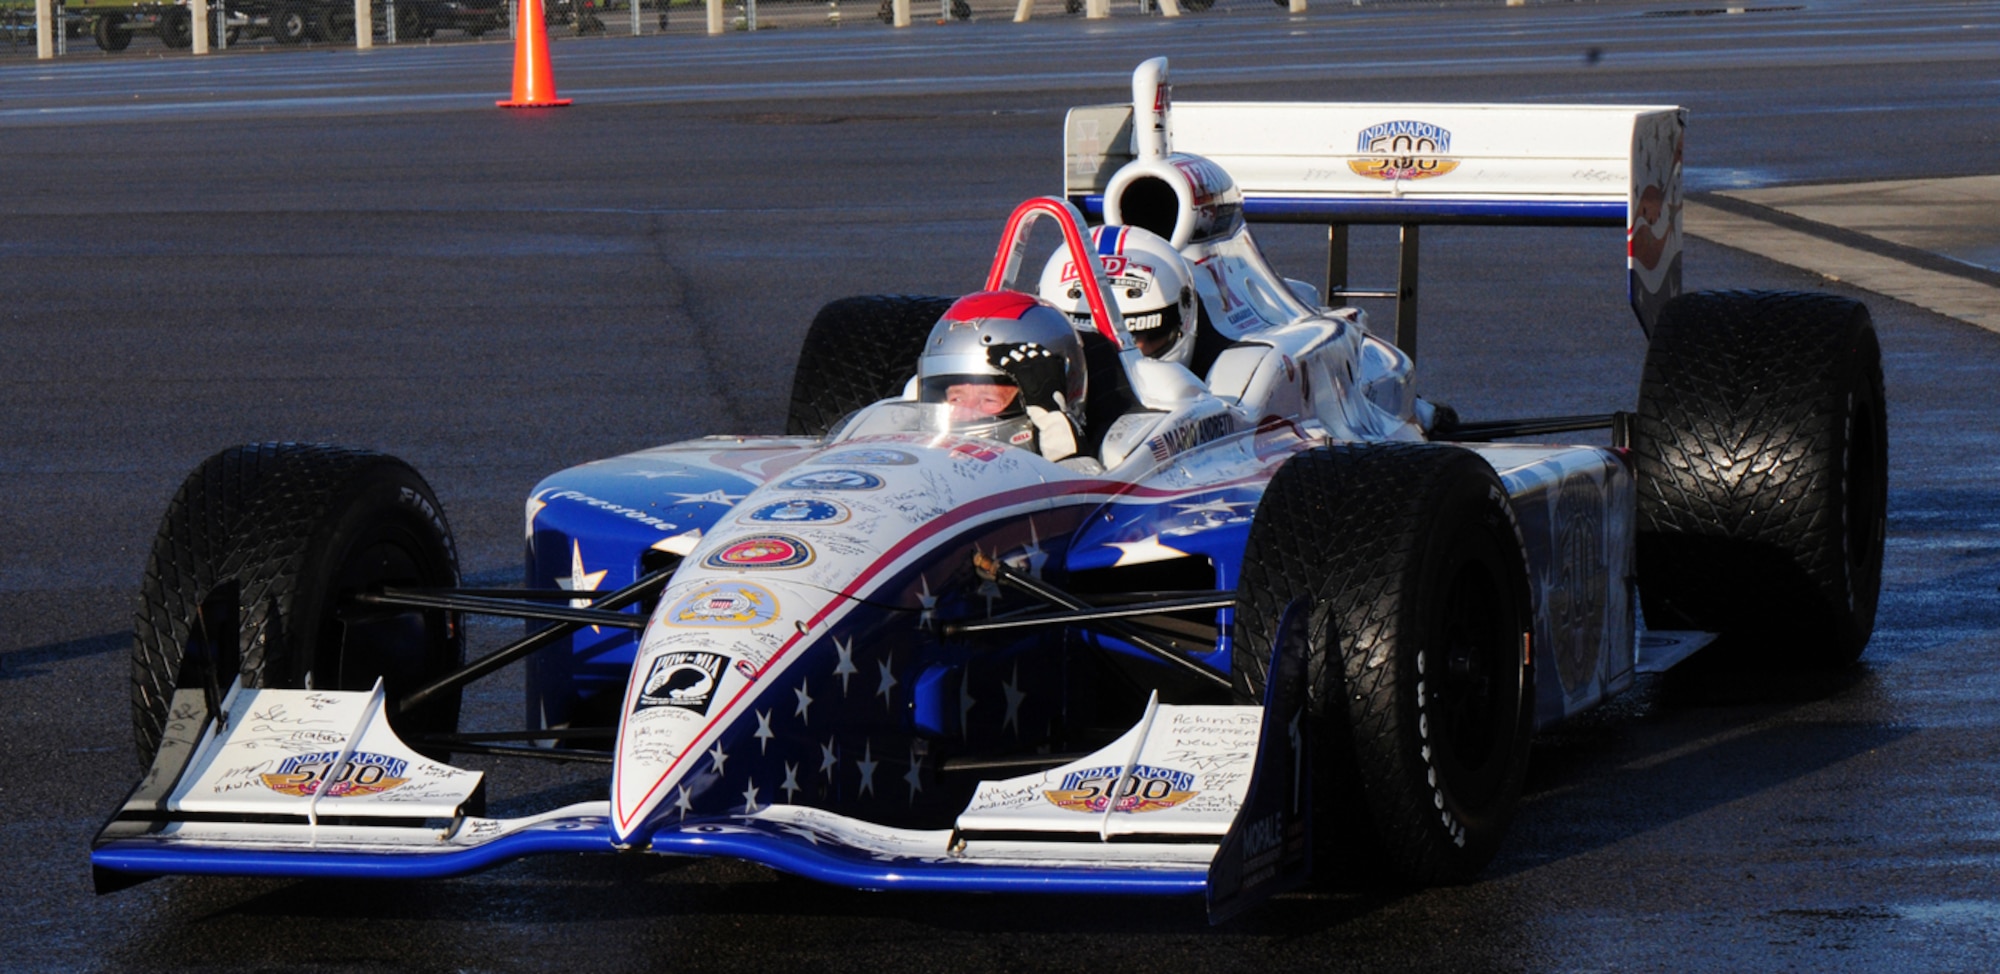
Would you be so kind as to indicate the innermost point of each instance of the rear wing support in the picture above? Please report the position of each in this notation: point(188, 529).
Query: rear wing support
point(1413, 165)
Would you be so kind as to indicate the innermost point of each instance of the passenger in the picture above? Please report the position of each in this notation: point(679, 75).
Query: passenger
point(1011, 367)
point(1152, 283)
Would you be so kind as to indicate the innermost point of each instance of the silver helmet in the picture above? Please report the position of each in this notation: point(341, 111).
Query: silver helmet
point(1152, 282)
point(958, 365)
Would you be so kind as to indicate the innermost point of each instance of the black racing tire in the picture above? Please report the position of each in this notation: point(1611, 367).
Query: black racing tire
point(1761, 454)
point(1198, 6)
point(292, 529)
point(290, 23)
point(887, 12)
point(108, 30)
point(961, 10)
point(176, 27)
point(1408, 562)
point(857, 351)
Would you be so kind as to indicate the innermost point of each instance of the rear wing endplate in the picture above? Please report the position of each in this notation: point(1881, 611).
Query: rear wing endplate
point(1408, 165)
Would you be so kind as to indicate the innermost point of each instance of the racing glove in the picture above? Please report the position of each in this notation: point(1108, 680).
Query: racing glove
point(1039, 374)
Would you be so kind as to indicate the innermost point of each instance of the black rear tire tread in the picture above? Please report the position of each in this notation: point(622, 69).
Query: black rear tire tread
point(858, 350)
point(1760, 448)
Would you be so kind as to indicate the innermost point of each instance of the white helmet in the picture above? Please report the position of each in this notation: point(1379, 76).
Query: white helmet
point(1152, 282)
point(996, 353)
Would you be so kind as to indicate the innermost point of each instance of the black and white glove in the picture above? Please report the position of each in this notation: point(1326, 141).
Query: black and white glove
point(1038, 373)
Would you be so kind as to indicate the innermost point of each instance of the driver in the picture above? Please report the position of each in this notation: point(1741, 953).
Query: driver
point(1152, 283)
point(1011, 368)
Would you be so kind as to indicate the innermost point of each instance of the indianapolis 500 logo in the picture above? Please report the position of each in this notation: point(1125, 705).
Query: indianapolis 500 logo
point(1403, 150)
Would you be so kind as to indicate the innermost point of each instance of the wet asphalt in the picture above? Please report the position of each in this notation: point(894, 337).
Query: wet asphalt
point(360, 249)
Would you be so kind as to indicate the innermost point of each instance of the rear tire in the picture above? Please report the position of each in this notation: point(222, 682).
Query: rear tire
point(293, 529)
point(335, 23)
point(108, 30)
point(1761, 449)
point(857, 351)
point(290, 24)
point(1408, 561)
point(176, 28)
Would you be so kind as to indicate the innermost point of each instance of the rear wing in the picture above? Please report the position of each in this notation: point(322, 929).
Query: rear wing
point(1408, 165)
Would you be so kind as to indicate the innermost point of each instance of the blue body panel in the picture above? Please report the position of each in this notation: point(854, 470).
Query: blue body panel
point(757, 841)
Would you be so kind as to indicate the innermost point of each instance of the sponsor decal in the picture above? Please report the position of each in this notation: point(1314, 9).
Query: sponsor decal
point(1206, 179)
point(865, 458)
point(1234, 309)
point(1187, 436)
point(729, 605)
point(799, 511)
point(1022, 438)
point(304, 775)
point(603, 505)
point(1122, 273)
point(762, 551)
point(1149, 789)
point(1577, 598)
point(687, 680)
point(1403, 150)
point(833, 480)
point(974, 450)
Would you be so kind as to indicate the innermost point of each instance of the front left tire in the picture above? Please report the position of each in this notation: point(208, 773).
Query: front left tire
point(1407, 564)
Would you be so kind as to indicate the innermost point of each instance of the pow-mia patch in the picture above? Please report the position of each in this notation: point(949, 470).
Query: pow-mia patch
point(687, 680)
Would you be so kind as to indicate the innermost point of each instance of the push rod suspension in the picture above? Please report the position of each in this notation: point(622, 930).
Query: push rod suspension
point(511, 608)
point(527, 645)
point(1000, 572)
point(1220, 600)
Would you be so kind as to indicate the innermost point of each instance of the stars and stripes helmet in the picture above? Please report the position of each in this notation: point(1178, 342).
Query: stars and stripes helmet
point(1152, 282)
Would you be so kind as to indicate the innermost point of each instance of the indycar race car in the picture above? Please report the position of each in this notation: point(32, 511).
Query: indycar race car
point(1269, 614)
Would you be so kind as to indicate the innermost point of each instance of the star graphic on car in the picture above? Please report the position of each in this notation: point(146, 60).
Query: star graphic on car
point(580, 580)
point(845, 668)
point(867, 765)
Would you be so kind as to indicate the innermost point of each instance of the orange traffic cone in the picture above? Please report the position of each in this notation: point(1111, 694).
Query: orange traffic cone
point(534, 84)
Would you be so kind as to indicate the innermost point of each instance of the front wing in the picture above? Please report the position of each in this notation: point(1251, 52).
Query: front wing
point(1161, 811)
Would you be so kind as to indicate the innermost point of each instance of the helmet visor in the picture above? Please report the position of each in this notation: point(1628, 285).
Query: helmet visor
point(975, 400)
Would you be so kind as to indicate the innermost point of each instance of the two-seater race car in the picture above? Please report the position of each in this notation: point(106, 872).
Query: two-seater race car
point(1275, 610)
